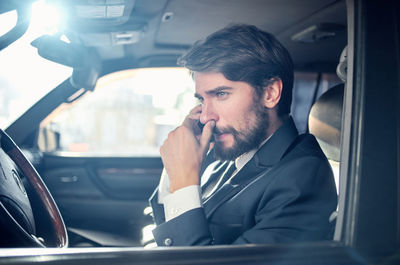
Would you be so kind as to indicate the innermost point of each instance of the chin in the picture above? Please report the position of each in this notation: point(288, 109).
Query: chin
point(225, 153)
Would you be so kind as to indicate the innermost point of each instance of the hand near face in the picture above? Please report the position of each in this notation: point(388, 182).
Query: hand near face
point(184, 150)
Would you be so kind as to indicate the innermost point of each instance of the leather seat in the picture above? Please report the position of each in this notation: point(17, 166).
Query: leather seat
point(325, 118)
point(325, 121)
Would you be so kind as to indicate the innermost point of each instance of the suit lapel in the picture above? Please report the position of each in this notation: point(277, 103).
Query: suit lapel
point(247, 174)
point(264, 159)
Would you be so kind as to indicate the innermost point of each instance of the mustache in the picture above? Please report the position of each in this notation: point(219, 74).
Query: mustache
point(219, 131)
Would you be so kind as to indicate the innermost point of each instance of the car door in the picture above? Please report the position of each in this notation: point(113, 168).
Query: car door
point(102, 199)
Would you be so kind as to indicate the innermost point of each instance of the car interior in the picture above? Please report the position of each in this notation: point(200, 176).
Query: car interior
point(86, 153)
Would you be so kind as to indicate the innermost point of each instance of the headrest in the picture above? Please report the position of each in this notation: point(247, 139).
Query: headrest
point(325, 121)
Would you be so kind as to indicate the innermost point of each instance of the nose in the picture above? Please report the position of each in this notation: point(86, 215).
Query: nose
point(208, 113)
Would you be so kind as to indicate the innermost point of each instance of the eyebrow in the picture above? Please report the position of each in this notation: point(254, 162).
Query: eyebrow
point(213, 91)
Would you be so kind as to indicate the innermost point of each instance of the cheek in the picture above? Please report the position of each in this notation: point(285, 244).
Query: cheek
point(246, 123)
point(244, 118)
point(236, 112)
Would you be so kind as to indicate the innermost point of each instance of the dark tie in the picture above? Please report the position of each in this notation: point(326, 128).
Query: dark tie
point(215, 182)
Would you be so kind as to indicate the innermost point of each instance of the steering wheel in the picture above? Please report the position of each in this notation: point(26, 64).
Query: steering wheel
point(16, 216)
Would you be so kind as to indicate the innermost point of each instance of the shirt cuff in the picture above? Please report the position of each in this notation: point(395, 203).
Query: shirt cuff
point(181, 201)
point(163, 187)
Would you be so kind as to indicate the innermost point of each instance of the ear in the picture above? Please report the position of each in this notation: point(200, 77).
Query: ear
point(272, 93)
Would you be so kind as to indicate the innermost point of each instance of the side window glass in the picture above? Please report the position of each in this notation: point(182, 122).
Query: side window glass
point(128, 113)
point(307, 88)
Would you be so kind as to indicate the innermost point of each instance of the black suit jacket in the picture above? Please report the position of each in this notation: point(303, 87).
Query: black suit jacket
point(285, 193)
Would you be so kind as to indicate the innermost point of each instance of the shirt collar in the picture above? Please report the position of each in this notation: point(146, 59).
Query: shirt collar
point(242, 160)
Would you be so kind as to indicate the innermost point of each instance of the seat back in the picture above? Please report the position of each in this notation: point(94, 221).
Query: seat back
point(325, 121)
point(325, 118)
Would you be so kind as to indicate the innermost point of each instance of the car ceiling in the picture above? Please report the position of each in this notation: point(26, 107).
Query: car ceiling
point(155, 32)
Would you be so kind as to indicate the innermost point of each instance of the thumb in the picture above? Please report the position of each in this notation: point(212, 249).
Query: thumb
point(206, 135)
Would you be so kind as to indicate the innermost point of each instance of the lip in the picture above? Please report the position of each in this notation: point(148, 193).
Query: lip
point(221, 137)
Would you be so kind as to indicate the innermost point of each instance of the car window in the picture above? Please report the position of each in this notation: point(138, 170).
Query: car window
point(128, 113)
point(8, 21)
point(25, 77)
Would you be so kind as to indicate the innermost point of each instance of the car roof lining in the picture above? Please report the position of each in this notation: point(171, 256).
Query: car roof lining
point(177, 34)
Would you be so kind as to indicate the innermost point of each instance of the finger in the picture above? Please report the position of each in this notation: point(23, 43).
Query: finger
point(196, 110)
point(192, 118)
point(191, 122)
point(194, 114)
point(206, 135)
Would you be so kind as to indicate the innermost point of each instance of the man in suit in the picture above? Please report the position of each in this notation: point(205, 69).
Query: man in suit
point(247, 176)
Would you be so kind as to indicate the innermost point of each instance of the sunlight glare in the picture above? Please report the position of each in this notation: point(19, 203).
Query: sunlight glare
point(46, 17)
point(65, 39)
point(24, 75)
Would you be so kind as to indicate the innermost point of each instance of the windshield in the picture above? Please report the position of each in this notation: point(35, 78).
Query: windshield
point(25, 77)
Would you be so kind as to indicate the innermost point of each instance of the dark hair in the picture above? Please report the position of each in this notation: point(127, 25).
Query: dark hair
point(244, 53)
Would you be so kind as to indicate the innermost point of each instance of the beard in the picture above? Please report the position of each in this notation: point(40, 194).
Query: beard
point(246, 139)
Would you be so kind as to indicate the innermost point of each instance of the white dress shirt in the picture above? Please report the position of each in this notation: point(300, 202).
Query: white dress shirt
point(189, 198)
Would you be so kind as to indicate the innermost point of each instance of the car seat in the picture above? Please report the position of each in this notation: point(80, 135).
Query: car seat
point(325, 118)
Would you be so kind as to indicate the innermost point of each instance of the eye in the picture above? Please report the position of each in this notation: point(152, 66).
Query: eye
point(221, 94)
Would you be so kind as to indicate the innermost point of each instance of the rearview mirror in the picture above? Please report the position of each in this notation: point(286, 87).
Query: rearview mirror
point(84, 61)
point(56, 50)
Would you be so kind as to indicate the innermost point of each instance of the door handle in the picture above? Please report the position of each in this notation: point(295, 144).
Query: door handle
point(69, 179)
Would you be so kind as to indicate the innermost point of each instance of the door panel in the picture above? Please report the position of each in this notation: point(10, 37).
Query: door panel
point(102, 198)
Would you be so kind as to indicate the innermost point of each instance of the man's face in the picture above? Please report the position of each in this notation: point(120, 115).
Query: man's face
point(240, 117)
